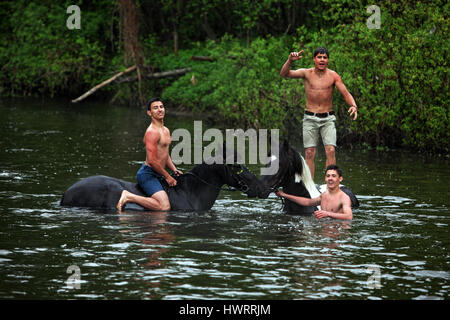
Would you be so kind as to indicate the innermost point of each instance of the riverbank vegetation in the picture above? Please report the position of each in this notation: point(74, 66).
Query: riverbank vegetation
point(396, 68)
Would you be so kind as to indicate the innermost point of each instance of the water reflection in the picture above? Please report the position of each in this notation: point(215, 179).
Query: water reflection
point(335, 230)
point(153, 230)
point(242, 248)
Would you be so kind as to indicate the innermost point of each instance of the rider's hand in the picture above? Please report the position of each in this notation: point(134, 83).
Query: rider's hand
point(171, 181)
point(178, 172)
point(279, 193)
point(294, 56)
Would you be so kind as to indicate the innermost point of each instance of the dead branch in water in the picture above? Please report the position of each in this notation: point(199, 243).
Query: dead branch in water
point(115, 78)
point(104, 83)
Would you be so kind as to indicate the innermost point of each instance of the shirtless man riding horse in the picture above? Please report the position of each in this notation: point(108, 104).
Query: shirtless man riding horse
point(319, 117)
point(157, 159)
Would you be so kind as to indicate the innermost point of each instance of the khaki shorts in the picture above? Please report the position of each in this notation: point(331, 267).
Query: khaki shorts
point(313, 127)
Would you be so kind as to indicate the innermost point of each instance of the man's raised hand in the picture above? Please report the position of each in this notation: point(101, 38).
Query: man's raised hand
point(294, 56)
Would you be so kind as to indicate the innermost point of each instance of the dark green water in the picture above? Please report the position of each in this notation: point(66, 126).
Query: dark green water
point(397, 246)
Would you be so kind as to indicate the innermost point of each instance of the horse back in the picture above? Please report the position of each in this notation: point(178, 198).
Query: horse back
point(97, 192)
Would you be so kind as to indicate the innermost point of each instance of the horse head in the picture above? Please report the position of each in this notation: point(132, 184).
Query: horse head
point(235, 174)
point(239, 177)
point(290, 168)
point(293, 175)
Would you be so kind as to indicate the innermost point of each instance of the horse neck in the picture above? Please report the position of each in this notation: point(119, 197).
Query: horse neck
point(209, 175)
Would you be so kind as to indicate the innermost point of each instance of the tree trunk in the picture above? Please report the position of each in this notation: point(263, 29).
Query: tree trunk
point(209, 31)
point(130, 33)
point(175, 42)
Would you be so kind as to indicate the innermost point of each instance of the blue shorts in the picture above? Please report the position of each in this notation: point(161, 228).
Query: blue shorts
point(149, 180)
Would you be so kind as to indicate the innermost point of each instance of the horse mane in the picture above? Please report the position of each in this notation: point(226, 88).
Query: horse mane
point(297, 164)
point(302, 173)
point(307, 179)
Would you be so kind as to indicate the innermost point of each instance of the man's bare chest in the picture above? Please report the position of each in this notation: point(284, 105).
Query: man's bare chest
point(331, 203)
point(164, 140)
point(319, 84)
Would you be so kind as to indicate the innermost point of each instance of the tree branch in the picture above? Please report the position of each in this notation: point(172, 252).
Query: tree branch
point(158, 75)
point(202, 58)
point(104, 83)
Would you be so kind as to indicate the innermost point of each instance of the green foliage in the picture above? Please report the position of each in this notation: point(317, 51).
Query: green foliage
point(41, 55)
point(398, 74)
point(243, 85)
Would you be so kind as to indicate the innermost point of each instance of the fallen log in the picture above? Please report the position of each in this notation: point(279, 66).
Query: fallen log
point(115, 78)
point(158, 75)
point(202, 58)
point(104, 83)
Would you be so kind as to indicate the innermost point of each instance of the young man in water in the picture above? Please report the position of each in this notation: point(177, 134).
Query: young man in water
point(319, 117)
point(334, 202)
point(157, 141)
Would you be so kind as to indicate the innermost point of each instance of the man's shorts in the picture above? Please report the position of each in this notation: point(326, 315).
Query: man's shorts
point(149, 180)
point(313, 127)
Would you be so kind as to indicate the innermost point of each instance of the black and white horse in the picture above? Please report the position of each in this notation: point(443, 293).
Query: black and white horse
point(295, 177)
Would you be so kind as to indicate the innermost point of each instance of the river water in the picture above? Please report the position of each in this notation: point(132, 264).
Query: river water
point(397, 246)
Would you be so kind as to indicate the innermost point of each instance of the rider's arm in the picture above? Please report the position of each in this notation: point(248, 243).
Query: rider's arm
point(171, 165)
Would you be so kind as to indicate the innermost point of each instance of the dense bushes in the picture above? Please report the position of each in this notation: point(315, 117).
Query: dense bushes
point(40, 55)
point(398, 73)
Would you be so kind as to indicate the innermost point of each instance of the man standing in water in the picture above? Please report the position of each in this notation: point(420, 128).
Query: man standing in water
point(319, 117)
point(334, 202)
point(157, 141)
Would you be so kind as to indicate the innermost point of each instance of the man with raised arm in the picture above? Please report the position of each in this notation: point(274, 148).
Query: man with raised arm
point(334, 202)
point(319, 117)
point(157, 141)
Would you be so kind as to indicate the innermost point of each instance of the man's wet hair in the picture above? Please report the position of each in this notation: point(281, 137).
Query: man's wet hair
point(149, 102)
point(334, 167)
point(321, 50)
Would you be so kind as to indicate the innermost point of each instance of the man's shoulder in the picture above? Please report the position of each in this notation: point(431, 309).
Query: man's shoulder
point(344, 196)
point(307, 72)
point(152, 132)
point(334, 74)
